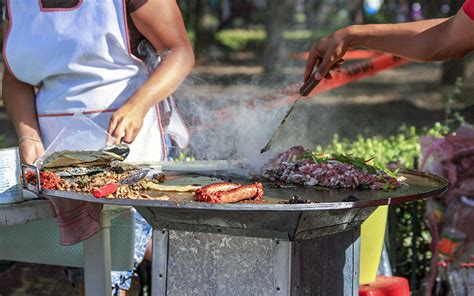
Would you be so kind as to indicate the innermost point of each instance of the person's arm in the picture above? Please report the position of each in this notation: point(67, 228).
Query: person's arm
point(19, 101)
point(429, 40)
point(161, 23)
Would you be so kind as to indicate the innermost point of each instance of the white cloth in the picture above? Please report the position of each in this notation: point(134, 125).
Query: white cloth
point(80, 59)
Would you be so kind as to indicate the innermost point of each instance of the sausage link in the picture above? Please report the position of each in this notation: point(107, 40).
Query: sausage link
point(252, 191)
point(203, 193)
point(213, 188)
point(233, 194)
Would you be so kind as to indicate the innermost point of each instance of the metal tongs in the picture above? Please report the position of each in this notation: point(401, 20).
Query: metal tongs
point(305, 90)
point(135, 177)
point(36, 170)
point(141, 174)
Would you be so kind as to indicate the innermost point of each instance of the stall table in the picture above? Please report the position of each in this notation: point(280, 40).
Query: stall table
point(36, 216)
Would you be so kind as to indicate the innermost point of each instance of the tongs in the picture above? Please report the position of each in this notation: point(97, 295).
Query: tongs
point(36, 170)
point(135, 177)
point(141, 174)
point(305, 90)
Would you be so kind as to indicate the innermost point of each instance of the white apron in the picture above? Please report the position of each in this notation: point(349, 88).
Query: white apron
point(81, 61)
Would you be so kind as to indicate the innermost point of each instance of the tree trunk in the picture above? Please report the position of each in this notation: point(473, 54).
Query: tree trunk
point(357, 14)
point(391, 10)
point(278, 17)
point(453, 69)
point(204, 36)
point(187, 11)
point(312, 8)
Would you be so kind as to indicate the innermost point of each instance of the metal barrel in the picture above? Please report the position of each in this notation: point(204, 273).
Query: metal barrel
point(10, 176)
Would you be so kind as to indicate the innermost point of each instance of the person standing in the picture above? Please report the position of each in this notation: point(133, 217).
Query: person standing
point(64, 57)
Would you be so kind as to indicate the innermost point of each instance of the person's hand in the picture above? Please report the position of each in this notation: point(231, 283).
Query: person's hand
point(126, 122)
point(326, 55)
point(30, 149)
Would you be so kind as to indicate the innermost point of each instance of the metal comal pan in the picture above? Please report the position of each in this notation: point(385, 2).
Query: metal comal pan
point(420, 185)
point(328, 213)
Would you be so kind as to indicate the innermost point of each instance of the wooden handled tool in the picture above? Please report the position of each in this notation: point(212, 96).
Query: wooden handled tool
point(308, 86)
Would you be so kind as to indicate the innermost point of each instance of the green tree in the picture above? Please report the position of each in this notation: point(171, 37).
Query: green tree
point(279, 15)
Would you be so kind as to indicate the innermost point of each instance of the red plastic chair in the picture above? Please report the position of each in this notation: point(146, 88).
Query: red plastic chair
point(386, 286)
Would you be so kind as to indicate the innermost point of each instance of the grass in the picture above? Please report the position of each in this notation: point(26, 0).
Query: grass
point(241, 39)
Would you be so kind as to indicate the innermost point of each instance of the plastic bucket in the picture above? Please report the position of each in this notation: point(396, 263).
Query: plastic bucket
point(371, 244)
point(10, 176)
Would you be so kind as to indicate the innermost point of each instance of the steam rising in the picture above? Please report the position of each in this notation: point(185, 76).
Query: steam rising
point(243, 129)
point(239, 133)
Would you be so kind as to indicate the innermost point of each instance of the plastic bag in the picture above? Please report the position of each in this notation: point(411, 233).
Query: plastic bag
point(80, 134)
point(451, 215)
point(173, 123)
point(451, 156)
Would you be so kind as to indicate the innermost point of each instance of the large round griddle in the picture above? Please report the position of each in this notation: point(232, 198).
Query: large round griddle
point(328, 213)
point(419, 185)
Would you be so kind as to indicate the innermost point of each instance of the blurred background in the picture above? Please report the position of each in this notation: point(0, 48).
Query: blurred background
point(253, 50)
point(247, 49)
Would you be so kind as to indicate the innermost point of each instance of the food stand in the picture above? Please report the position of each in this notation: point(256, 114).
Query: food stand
point(270, 248)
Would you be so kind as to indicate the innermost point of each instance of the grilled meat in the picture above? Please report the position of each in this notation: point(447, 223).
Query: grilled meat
point(226, 192)
point(292, 168)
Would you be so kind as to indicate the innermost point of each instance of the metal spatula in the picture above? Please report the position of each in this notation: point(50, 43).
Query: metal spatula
point(305, 90)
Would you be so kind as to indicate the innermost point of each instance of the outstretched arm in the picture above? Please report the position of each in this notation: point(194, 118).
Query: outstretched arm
point(429, 40)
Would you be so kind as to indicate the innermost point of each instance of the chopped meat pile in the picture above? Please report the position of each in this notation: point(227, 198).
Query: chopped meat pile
point(100, 184)
point(106, 184)
point(226, 192)
point(300, 166)
point(47, 180)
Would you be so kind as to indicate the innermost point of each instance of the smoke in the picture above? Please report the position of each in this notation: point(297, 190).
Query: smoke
point(231, 122)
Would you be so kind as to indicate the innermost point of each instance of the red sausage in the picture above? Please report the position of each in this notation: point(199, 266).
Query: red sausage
point(105, 190)
point(213, 188)
point(203, 193)
point(233, 194)
point(252, 191)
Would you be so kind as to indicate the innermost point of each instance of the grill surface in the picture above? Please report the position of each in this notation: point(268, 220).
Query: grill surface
point(420, 185)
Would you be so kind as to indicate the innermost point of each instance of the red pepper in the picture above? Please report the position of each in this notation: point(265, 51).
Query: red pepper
point(105, 190)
